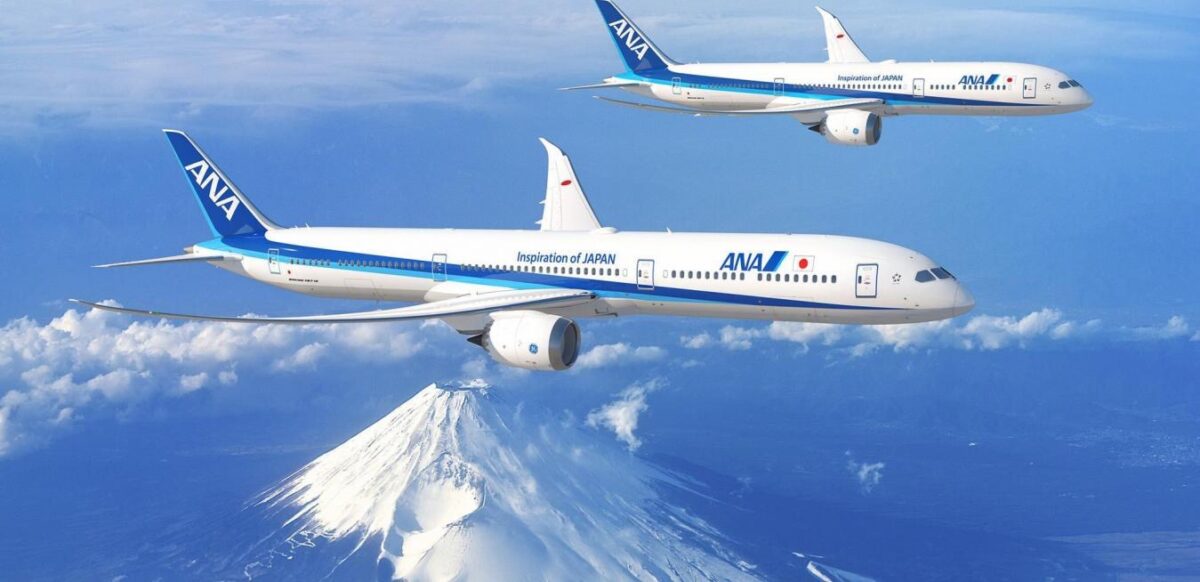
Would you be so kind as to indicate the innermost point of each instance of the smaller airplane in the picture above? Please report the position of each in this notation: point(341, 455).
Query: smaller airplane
point(515, 292)
point(844, 99)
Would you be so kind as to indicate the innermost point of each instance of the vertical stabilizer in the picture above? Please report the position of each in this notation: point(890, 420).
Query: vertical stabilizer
point(841, 48)
point(637, 50)
point(566, 206)
point(228, 211)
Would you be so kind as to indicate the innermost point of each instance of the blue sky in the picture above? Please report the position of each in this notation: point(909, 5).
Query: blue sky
point(1075, 233)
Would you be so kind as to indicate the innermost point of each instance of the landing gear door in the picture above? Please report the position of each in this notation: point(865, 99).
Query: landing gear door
point(865, 284)
point(645, 274)
point(1029, 88)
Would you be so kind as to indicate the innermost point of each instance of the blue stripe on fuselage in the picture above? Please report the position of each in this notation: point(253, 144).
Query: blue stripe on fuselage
point(257, 246)
point(666, 77)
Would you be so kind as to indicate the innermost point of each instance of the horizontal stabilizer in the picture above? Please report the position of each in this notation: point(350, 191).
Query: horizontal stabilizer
point(605, 85)
point(188, 258)
point(783, 110)
point(839, 45)
point(466, 305)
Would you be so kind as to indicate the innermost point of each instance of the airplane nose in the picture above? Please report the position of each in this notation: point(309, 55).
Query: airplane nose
point(1086, 99)
point(963, 301)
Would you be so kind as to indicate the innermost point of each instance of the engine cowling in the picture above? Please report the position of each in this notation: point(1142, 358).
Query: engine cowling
point(531, 340)
point(852, 127)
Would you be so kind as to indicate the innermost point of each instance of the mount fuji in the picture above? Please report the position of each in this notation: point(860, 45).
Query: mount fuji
point(460, 483)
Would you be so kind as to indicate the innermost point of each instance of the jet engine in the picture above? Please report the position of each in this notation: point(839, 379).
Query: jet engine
point(531, 339)
point(851, 127)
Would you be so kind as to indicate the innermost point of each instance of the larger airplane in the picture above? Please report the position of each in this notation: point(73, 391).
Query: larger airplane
point(515, 292)
point(844, 99)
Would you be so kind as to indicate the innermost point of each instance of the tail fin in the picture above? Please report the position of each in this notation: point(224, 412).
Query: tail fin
point(227, 210)
point(839, 45)
point(635, 47)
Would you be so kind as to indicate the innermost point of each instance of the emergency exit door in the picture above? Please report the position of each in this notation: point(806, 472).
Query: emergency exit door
point(645, 274)
point(866, 281)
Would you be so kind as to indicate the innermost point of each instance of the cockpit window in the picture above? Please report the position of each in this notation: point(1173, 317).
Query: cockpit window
point(924, 277)
point(1064, 85)
point(941, 273)
point(1074, 83)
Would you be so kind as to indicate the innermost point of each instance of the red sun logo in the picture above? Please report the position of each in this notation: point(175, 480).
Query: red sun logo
point(803, 263)
point(566, 182)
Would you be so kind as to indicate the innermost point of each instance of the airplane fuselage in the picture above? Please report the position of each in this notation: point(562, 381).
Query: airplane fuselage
point(811, 278)
point(950, 88)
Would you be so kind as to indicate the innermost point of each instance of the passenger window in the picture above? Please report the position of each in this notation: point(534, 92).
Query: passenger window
point(806, 278)
point(833, 278)
point(760, 276)
point(823, 278)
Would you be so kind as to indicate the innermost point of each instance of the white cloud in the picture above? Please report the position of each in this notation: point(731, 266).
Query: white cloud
point(616, 354)
point(805, 333)
point(193, 382)
point(992, 333)
point(696, 342)
point(739, 338)
point(305, 358)
point(621, 415)
point(1175, 327)
point(868, 474)
point(94, 360)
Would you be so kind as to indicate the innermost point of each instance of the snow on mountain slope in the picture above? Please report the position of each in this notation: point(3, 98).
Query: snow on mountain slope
point(462, 484)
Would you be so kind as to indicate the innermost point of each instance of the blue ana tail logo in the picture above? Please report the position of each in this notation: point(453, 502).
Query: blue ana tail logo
point(633, 41)
point(210, 181)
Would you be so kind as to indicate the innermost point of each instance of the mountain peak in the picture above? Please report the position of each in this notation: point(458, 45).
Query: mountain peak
point(459, 482)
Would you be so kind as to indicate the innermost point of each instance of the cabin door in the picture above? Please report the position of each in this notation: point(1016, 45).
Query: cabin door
point(918, 87)
point(865, 283)
point(645, 274)
point(779, 85)
point(1029, 88)
point(273, 261)
point(438, 267)
point(676, 86)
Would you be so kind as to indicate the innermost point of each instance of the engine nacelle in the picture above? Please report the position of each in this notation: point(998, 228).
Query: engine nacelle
point(531, 340)
point(852, 127)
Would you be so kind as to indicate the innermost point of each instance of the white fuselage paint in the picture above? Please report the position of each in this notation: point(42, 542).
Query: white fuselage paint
point(950, 88)
point(690, 273)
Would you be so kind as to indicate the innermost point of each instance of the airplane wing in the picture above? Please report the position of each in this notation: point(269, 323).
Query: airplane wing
point(787, 109)
point(839, 45)
point(466, 305)
point(566, 206)
point(188, 258)
point(607, 84)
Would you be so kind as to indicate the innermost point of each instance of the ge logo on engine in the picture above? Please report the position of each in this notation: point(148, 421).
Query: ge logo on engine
point(533, 349)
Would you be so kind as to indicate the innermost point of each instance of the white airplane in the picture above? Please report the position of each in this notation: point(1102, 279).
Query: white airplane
point(514, 292)
point(844, 99)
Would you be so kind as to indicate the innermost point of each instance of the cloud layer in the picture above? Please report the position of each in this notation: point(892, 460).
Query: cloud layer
point(82, 362)
point(981, 332)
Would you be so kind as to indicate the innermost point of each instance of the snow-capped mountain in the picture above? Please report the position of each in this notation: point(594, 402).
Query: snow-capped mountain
point(460, 483)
